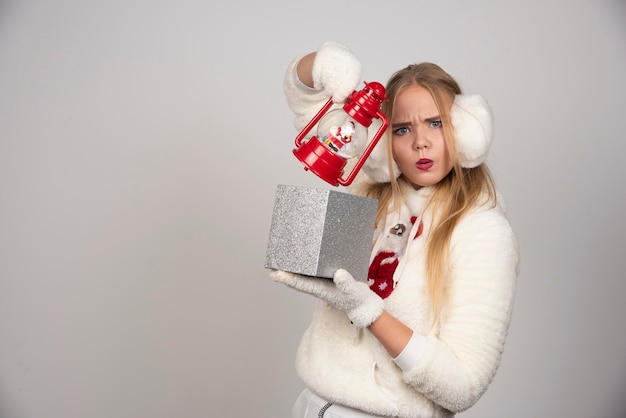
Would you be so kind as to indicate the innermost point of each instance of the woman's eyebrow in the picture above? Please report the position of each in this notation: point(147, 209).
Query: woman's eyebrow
point(435, 118)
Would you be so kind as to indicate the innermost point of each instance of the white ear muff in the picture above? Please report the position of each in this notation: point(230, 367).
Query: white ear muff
point(473, 127)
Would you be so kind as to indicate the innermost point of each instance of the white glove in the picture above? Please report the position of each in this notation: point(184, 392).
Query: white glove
point(344, 293)
point(336, 70)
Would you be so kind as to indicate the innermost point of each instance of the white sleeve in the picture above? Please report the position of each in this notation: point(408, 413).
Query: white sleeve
point(410, 355)
point(459, 362)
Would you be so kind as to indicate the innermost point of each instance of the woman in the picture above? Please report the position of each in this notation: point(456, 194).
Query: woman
point(424, 336)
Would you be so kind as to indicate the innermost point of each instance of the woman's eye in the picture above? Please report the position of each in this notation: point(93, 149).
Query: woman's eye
point(435, 124)
point(401, 131)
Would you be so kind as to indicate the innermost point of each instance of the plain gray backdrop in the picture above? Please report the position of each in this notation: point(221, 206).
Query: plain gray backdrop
point(141, 143)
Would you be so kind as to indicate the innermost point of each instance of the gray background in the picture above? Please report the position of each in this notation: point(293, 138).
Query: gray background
point(141, 143)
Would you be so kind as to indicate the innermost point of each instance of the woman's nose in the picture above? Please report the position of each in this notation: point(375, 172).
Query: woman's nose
point(420, 141)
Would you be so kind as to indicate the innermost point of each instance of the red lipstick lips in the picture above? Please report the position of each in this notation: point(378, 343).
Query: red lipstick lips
point(424, 164)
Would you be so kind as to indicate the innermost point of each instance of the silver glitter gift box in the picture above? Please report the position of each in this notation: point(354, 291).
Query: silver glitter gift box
point(314, 232)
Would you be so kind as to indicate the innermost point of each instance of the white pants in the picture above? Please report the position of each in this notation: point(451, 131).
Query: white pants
point(309, 405)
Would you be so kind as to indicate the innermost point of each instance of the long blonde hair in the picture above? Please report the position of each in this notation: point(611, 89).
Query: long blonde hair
point(453, 196)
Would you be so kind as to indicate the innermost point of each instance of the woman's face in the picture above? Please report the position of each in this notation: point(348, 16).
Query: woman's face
point(417, 141)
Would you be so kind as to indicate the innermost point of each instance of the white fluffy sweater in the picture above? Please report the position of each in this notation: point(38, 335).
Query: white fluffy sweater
point(459, 357)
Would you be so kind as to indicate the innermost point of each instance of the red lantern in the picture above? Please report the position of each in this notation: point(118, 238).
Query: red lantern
point(342, 134)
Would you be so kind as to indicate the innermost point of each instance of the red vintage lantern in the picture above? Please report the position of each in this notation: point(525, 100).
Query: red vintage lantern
point(342, 133)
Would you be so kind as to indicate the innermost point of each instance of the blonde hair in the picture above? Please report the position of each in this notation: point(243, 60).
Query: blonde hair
point(453, 196)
